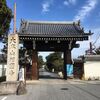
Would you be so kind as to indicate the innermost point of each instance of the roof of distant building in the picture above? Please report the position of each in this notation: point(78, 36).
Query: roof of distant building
point(92, 57)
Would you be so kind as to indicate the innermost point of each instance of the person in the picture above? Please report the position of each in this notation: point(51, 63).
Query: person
point(60, 74)
point(21, 74)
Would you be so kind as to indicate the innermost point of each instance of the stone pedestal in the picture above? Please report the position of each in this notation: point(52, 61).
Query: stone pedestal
point(17, 88)
point(8, 87)
point(11, 84)
point(21, 88)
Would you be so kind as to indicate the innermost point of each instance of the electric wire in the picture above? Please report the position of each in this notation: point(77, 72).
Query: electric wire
point(96, 40)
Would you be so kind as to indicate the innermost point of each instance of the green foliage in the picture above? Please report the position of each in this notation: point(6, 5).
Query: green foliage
point(4, 53)
point(22, 56)
point(55, 61)
point(5, 17)
point(3, 78)
point(25, 56)
point(40, 61)
point(53, 56)
point(97, 51)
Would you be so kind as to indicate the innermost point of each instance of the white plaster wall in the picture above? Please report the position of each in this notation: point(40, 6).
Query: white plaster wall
point(92, 69)
point(5, 66)
point(0, 70)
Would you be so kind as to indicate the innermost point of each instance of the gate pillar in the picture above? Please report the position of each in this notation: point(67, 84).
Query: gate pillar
point(35, 72)
point(67, 60)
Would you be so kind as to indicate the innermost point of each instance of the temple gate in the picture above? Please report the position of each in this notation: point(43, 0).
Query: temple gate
point(51, 36)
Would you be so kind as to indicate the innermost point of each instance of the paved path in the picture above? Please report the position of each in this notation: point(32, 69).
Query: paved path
point(45, 74)
point(56, 89)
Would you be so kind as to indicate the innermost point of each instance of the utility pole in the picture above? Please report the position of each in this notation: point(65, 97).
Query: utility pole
point(14, 21)
point(90, 48)
point(90, 51)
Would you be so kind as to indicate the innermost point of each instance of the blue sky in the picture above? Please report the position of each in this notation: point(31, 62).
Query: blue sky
point(88, 11)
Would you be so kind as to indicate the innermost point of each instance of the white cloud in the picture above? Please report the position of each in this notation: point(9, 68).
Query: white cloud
point(86, 9)
point(72, 1)
point(46, 5)
point(68, 2)
point(96, 30)
point(96, 36)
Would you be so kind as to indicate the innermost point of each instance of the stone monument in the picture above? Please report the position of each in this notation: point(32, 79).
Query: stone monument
point(12, 58)
point(12, 83)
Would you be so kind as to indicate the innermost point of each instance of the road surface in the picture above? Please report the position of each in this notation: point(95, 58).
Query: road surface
point(58, 89)
point(47, 75)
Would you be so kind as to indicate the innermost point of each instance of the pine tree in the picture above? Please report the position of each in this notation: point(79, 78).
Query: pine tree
point(55, 61)
point(5, 17)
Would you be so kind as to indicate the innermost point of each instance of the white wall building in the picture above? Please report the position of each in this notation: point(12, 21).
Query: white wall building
point(92, 67)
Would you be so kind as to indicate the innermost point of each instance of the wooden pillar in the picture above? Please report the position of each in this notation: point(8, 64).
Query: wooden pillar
point(35, 72)
point(67, 60)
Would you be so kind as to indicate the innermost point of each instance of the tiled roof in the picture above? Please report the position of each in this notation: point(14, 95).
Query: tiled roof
point(51, 29)
point(92, 57)
point(78, 60)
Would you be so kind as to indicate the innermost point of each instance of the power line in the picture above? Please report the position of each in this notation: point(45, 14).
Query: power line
point(96, 40)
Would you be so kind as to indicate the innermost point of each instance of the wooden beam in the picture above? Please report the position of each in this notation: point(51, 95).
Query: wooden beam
point(14, 30)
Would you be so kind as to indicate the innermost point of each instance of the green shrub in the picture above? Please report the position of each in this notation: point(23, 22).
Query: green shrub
point(3, 78)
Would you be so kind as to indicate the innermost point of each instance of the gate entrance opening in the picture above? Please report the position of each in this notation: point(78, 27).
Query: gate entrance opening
point(52, 66)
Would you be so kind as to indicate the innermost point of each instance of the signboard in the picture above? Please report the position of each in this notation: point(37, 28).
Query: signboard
point(69, 70)
point(12, 58)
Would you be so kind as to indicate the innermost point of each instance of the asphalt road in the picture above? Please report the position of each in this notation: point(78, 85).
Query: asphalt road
point(47, 75)
point(57, 89)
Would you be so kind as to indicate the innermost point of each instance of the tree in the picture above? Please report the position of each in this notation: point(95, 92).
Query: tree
point(4, 53)
point(97, 51)
point(40, 61)
point(5, 17)
point(55, 61)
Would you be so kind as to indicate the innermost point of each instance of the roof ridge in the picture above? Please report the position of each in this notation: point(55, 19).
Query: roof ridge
point(53, 22)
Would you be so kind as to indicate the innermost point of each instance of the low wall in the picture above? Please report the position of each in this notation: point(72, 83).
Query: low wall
point(92, 70)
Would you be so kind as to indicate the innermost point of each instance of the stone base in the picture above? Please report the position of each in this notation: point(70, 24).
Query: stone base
point(21, 88)
point(9, 87)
